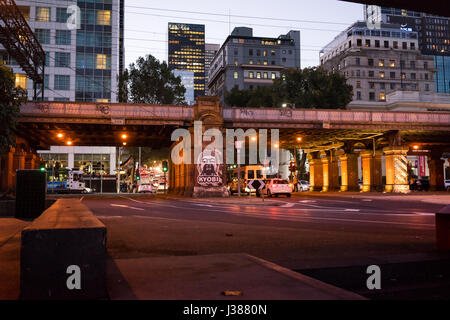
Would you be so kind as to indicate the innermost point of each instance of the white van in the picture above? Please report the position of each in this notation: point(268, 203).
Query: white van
point(250, 172)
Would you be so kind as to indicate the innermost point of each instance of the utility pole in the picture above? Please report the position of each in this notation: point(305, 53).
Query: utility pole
point(118, 171)
point(238, 145)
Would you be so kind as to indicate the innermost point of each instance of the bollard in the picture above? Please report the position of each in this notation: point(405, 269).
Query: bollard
point(443, 229)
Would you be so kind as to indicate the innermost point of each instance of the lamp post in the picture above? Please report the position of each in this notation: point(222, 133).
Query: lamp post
point(238, 145)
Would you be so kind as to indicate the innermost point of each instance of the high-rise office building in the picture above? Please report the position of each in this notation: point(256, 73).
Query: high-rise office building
point(211, 50)
point(433, 35)
point(246, 62)
point(186, 51)
point(187, 80)
point(83, 60)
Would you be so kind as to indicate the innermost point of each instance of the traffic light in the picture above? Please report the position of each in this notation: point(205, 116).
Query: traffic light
point(138, 175)
point(165, 166)
point(292, 166)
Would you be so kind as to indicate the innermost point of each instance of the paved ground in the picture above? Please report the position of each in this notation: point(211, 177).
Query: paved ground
point(312, 232)
point(10, 230)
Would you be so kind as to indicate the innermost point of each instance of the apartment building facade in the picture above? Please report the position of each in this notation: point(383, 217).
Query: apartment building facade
point(246, 62)
point(379, 61)
point(433, 35)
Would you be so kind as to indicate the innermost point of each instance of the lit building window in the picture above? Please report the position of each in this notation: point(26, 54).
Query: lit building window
point(236, 75)
point(104, 17)
point(21, 80)
point(250, 74)
point(265, 75)
point(381, 63)
point(42, 14)
point(392, 63)
point(381, 74)
point(101, 61)
point(274, 76)
point(258, 75)
point(382, 96)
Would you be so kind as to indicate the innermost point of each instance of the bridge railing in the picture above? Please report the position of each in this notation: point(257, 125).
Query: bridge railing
point(99, 110)
point(340, 116)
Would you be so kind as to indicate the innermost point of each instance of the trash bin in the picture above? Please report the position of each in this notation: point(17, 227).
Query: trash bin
point(443, 229)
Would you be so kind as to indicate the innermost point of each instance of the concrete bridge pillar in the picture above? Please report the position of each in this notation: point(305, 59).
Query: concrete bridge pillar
point(371, 171)
point(7, 172)
point(330, 173)
point(349, 172)
point(436, 168)
point(396, 169)
point(31, 161)
point(315, 172)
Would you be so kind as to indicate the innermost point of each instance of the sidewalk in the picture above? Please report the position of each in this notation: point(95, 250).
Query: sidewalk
point(10, 234)
point(207, 277)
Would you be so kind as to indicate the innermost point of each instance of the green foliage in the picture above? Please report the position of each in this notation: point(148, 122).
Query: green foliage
point(149, 81)
point(302, 88)
point(10, 100)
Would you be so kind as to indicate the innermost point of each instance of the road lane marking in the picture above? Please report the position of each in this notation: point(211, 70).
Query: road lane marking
point(125, 206)
point(288, 205)
point(297, 217)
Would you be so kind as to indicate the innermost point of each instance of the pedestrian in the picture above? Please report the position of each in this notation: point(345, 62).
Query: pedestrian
point(295, 183)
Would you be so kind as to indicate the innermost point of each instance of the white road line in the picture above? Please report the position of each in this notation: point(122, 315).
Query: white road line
point(296, 218)
point(125, 206)
point(288, 205)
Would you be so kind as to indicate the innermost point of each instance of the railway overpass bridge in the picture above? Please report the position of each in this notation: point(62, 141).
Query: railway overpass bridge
point(332, 138)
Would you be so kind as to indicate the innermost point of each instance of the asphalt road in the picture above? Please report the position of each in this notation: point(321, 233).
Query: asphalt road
point(326, 236)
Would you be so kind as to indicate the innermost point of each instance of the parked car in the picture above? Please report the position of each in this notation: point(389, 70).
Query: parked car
point(303, 185)
point(420, 185)
point(447, 185)
point(146, 187)
point(278, 186)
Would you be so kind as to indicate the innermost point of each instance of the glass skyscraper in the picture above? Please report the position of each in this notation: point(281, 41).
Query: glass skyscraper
point(83, 61)
point(186, 51)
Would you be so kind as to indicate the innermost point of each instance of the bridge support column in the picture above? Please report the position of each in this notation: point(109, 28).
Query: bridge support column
point(330, 168)
point(31, 161)
point(315, 172)
point(396, 169)
point(436, 168)
point(349, 172)
point(7, 172)
point(371, 171)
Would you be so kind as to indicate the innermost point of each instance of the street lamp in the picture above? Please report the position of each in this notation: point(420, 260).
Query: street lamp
point(60, 135)
point(299, 139)
point(69, 143)
point(124, 136)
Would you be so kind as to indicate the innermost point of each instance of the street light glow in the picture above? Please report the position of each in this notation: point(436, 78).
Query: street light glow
point(284, 105)
point(416, 147)
point(299, 139)
point(60, 135)
point(124, 143)
point(253, 138)
point(69, 143)
point(124, 136)
point(276, 145)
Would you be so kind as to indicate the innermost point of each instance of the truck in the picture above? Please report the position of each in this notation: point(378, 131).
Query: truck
point(74, 184)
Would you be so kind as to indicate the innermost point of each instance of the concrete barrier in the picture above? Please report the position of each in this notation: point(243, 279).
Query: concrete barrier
point(442, 221)
point(63, 254)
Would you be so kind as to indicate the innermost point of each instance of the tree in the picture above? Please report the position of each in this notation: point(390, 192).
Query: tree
point(150, 81)
point(302, 88)
point(312, 88)
point(11, 98)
